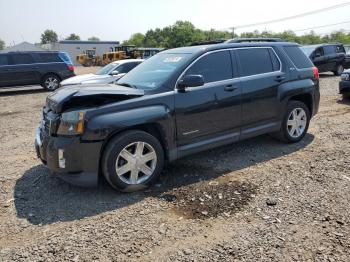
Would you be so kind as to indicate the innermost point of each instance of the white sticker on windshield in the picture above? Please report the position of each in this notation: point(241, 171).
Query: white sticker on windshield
point(173, 59)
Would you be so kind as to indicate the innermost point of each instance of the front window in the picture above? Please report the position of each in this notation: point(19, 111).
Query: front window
point(106, 69)
point(154, 72)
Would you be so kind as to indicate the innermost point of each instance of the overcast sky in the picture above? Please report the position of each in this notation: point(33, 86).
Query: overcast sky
point(117, 19)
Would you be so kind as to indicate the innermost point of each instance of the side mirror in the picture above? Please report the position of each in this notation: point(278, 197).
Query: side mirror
point(114, 73)
point(190, 81)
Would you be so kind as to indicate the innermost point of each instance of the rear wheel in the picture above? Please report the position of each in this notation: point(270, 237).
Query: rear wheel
point(339, 70)
point(51, 82)
point(295, 123)
point(132, 161)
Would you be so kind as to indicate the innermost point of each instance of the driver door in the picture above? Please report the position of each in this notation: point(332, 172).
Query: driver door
point(210, 112)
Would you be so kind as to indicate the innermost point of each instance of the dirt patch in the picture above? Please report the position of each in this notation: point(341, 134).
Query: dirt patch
point(210, 199)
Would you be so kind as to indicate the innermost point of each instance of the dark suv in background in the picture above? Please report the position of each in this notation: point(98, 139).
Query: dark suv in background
point(30, 68)
point(177, 103)
point(327, 57)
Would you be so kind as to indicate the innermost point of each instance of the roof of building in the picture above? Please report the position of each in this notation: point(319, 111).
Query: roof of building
point(75, 42)
point(24, 46)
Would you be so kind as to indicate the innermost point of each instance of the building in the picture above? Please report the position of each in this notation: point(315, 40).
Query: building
point(76, 47)
point(24, 46)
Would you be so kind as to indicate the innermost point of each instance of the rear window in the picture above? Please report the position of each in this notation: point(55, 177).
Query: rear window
point(50, 58)
point(3, 60)
point(256, 61)
point(22, 59)
point(299, 59)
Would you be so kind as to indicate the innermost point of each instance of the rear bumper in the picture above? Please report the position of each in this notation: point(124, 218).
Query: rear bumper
point(81, 160)
point(344, 87)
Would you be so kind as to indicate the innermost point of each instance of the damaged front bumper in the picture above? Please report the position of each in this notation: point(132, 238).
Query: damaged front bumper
point(71, 159)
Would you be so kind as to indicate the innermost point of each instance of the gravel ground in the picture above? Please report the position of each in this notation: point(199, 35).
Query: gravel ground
point(257, 200)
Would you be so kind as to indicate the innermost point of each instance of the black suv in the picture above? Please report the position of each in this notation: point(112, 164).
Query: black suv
point(179, 102)
point(31, 68)
point(327, 57)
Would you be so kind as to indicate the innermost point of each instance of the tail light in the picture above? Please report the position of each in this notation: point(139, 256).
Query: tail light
point(315, 71)
point(70, 68)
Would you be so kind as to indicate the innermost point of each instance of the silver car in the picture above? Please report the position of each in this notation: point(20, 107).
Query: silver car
point(106, 75)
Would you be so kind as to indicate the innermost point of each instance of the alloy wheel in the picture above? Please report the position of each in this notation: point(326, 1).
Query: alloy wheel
point(136, 163)
point(51, 83)
point(297, 122)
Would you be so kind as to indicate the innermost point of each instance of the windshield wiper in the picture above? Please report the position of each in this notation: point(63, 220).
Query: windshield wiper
point(127, 85)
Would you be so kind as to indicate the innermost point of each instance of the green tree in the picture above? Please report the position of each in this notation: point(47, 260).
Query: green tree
point(2, 44)
point(49, 36)
point(136, 39)
point(73, 37)
point(94, 38)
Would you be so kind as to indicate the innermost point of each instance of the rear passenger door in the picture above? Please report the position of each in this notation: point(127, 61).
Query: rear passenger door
point(23, 69)
point(261, 74)
point(331, 57)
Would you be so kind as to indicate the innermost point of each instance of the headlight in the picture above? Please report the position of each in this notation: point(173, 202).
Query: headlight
point(345, 77)
point(71, 123)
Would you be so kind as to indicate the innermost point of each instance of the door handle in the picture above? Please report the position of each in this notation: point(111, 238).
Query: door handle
point(230, 88)
point(280, 78)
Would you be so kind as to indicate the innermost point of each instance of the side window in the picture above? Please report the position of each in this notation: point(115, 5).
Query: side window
point(122, 69)
point(213, 67)
point(329, 49)
point(50, 58)
point(3, 60)
point(340, 49)
point(319, 52)
point(22, 59)
point(255, 61)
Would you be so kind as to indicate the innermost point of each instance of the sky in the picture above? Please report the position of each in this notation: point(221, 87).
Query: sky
point(25, 20)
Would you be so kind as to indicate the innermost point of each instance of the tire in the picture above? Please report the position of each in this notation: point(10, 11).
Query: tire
point(346, 96)
point(339, 70)
point(121, 154)
point(50, 82)
point(285, 134)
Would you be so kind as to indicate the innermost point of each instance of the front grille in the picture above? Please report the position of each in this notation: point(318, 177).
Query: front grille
point(50, 121)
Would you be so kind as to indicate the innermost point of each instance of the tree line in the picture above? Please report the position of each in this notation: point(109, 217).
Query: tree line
point(184, 33)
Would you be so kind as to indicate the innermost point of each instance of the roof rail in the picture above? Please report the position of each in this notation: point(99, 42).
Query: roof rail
point(257, 39)
point(208, 42)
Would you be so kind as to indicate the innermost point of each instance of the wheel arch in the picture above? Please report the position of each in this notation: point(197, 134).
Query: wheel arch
point(153, 129)
point(305, 98)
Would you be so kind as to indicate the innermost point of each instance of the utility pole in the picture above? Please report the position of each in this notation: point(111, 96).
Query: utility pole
point(233, 32)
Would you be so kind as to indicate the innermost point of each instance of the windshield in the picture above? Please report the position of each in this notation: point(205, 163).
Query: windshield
point(106, 69)
point(155, 71)
point(307, 49)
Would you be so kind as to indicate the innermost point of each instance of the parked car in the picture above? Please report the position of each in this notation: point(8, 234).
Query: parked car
point(106, 75)
point(327, 57)
point(47, 69)
point(344, 84)
point(177, 103)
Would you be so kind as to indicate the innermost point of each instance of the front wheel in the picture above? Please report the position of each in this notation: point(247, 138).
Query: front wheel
point(295, 123)
point(132, 161)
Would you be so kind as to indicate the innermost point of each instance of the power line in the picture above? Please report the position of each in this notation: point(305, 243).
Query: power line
point(292, 17)
point(322, 26)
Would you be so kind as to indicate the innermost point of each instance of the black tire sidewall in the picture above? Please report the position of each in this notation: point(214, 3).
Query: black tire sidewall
point(46, 77)
point(119, 143)
point(291, 106)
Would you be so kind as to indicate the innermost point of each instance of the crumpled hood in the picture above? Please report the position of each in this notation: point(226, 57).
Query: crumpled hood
point(81, 79)
point(88, 96)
